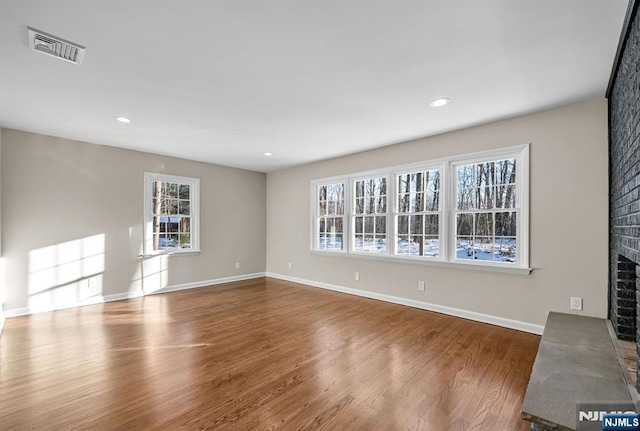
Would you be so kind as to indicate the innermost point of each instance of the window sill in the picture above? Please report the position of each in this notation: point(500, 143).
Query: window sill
point(436, 263)
point(170, 253)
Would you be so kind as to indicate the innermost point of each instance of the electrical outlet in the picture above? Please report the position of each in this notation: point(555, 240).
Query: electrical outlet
point(357, 275)
point(237, 265)
point(576, 303)
point(290, 266)
point(421, 286)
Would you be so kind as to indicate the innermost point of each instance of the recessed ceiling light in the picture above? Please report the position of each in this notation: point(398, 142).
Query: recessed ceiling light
point(268, 154)
point(440, 102)
point(123, 119)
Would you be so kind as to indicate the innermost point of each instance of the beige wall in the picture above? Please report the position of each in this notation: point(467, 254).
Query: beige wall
point(2, 294)
point(56, 193)
point(568, 211)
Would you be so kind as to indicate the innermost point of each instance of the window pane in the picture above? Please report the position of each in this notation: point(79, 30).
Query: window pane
point(403, 245)
point(464, 247)
point(506, 224)
point(185, 225)
point(331, 208)
point(431, 224)
point(506, 197)
point(505, 250)
point(484, 224)
point(335, 192)
point(322, 193)
point(173, 224)
point(416, 224)
point(403, 225)
point(465, 177)
point(464, 224)
point(358, 243)
point(485, 174)
point(359, 189)
point(368, 224)
point(381, 205)
point(506, 171)
point(360, 206)
point(431, 246)
point(184, 191)
point(483, 198)
point(156, 188)
point(380, 244)
point(368, 245)
point(359, 228)
point(172, 206)
point(322, 208)
point(370, 205)
point(483, 248)
point(404, 202)
point(335, 242)
point(173, 191)
point(404, 183)
point(184, 207)
point(432, 201)
point(465, 199)
point(185, 240)
point(381, 224)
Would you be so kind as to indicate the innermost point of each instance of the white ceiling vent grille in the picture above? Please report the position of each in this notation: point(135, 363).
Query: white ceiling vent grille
point(55, 46)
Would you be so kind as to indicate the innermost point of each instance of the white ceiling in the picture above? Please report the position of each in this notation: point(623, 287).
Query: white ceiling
point(225, 81)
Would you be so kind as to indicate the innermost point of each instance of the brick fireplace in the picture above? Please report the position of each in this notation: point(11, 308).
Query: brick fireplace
point(624, 168)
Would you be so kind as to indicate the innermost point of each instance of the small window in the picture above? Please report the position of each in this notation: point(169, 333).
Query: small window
point(171, 213)
point(418, 213)
point(370, 215)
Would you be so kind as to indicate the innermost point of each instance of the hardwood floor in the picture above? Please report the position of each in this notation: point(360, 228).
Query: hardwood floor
point(261, 354)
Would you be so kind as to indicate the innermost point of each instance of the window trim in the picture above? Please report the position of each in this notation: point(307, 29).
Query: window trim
point(446, 165)
point(194, 204)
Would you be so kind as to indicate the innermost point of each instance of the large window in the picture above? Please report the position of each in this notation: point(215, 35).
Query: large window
point(329, 212)
point(487, 207)
point(418, 213)
point(370, 215)
point(465, 210)
point(171, 213)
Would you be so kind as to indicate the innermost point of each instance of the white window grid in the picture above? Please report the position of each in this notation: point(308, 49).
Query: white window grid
point(175, 211)
point(446, 212)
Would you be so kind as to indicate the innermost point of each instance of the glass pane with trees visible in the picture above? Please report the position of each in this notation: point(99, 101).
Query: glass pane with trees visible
point(171, 215)
point(370, 220)
point(419, 198)
point(330, 216)
point(484, 230)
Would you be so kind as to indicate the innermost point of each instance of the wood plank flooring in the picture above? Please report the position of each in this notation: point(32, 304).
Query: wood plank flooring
point(261, 354)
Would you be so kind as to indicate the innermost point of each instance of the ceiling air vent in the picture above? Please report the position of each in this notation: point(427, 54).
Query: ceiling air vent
point(55, 46)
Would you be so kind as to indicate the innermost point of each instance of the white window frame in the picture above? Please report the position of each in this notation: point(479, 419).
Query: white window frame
point(447, 211)
point(315, 213)
point(442, 219)
point(521, 155)
point(351, 209)
point(194, 210)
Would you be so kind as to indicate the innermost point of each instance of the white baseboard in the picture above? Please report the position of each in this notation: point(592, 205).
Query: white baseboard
point(209, 282)
point(15, 312)
point(471, 315)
